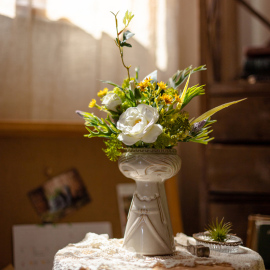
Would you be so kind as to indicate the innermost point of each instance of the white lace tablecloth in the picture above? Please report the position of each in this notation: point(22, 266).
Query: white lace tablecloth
point(97, 252)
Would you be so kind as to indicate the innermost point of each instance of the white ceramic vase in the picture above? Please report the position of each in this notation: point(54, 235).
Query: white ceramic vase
point(149, 230)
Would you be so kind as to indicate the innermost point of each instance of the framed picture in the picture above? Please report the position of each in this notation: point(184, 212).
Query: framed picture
point(59, 196)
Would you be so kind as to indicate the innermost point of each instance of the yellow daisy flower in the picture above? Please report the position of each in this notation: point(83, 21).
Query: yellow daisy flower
point(177, 98)
point(168, 99)
point(147, 80)
point(142, 85)
point(162, 85)
point(92, 103)
point(103, 92)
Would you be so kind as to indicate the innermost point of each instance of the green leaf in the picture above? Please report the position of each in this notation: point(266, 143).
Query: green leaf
point(191, 93)
point(113, 84)
point(137, 73)
point(127, 35)
point(127, 18)
point(180, 76)
point(183, 95)
point(114, 114)
point(125, 44)
point(100, 127)
point(128, 95)
point(138, 94)
point(131, 95)
point(214, 110)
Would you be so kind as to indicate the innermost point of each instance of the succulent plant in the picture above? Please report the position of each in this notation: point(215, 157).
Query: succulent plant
point(219, 231)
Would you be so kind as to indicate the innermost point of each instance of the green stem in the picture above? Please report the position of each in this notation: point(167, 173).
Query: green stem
point(121, 49)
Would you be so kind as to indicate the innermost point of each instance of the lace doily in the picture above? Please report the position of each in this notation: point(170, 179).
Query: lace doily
point(97, 252)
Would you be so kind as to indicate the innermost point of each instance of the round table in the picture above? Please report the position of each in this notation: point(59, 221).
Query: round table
point(98, 252)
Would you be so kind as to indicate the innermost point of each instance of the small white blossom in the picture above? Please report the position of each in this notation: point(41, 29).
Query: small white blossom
point(111, 101)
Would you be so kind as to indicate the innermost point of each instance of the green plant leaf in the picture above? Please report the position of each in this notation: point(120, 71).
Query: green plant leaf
point(137, 93)
point(137, 73)
point(132, 97)
point(214, 110)
point(125, 44)
point(183, 95)
point(180, 76)
point(191, 93)
point(113, 84)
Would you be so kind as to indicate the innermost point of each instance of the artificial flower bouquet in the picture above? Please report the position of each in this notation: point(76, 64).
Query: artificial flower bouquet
point(147, 113)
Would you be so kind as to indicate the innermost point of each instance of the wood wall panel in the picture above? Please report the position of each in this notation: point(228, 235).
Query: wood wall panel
point(247, 121)
point(236, 168)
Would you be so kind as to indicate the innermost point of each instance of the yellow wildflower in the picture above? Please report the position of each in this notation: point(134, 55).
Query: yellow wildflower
point(177, 98)
point(162, 85)
point(92, 103)
point(162, 111)
point(142, 85)
point(103, 92)
point(167, 98)
point(147, 80)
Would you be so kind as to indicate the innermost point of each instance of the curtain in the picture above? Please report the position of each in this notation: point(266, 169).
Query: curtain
point(53, 53)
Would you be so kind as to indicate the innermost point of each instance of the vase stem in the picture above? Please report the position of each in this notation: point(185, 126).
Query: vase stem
point(149, 229)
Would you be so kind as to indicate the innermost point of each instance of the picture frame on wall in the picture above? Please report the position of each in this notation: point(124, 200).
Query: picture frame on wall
point(59, 196)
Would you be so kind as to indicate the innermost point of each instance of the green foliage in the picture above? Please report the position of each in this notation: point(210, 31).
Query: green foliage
point(175, 125)
point(100, 127)
point(191, 93)
point(125, 83)
point(218, 231)
point(164, 141)
point(128, 17)
point(200, 132)
point(113, 84)
point(114, 147)
point(180, 76)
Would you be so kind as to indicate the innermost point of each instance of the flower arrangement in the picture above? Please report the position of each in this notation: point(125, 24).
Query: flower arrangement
point(147, 113)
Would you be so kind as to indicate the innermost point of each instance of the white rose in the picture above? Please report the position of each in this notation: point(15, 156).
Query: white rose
point(111, 101)
point(139, 124)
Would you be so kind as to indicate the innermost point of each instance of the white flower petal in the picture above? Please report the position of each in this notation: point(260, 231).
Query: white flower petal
point(126, 139)
point(150, 113)
point(152, 134)
point(111, 101)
